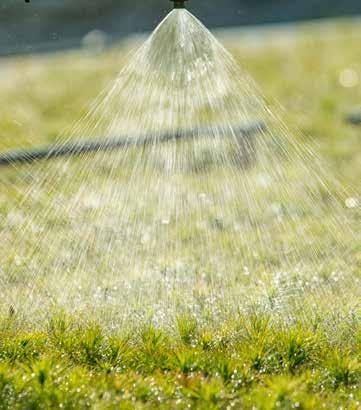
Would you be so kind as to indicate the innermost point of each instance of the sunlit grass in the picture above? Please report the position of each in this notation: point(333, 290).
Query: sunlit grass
point(250, 363)
point(246, 362)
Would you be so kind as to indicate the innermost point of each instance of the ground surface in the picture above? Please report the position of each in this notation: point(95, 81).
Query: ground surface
point(248, 363)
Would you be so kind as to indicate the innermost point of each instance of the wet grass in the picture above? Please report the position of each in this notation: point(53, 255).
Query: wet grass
point(248, 362)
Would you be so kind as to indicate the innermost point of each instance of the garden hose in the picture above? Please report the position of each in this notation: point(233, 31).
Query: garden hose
point(93, 146)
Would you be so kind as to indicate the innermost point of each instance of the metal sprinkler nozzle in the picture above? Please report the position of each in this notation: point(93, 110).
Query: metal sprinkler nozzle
point(179, 4)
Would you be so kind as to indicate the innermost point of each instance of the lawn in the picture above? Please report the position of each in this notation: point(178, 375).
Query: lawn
point(225, 359)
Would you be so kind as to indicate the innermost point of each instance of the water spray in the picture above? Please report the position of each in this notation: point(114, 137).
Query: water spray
point(213, 207)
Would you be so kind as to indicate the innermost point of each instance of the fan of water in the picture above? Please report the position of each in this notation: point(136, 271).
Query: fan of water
point(193, 214)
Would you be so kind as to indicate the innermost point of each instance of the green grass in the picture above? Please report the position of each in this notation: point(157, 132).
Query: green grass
point(248, 363)
point(244, 362)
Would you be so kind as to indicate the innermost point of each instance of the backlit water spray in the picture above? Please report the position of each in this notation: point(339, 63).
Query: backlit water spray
point(210, 221)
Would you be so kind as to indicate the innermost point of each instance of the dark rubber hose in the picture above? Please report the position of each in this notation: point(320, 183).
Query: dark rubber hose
point(111, 144)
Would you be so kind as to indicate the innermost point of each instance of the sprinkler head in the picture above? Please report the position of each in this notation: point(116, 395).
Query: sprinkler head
point(179, 4)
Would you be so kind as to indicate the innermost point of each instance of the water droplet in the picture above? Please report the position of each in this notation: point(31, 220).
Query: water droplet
point(348, 78)
point(352, 203)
